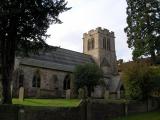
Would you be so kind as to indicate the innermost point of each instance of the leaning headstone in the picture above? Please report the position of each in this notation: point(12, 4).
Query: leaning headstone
point(68, 94)
point(106, 95)
point(21, 93)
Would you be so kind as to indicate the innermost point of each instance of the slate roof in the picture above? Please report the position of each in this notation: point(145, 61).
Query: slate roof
point(59, 59)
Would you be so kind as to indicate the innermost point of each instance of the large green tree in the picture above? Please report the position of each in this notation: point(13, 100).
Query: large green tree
point(23, 27)
point(138, 79)
point(143, 29)
point(87, 75)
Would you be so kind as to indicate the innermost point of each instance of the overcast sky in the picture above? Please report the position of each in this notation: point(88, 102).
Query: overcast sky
point(90, 14)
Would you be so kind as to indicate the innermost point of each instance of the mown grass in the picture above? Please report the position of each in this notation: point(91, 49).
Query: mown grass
point(143, 116)
point(48, 102)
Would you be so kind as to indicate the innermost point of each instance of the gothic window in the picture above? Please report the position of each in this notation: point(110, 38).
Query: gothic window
point(55, 81)
point(108, 44)
point(104, 43)
point(36, 81)
point(91, 44)
point(66, 82)
point(88, 45)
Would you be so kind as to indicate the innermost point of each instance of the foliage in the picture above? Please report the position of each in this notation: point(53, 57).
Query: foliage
point(87, 75)
point(156, 76)
point(138, 81)
point(24, 24)
point(48, 102)
point(143, 29)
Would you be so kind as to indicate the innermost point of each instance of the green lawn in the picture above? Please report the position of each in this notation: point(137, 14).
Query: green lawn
point(143, 116)
point(48, 102)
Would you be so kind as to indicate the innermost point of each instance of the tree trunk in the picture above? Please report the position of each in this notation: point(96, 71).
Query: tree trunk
point(8, 56)
point(6, 82)
point(8, 45)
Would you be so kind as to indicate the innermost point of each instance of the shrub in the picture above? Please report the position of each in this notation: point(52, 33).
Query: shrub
point(139, 80)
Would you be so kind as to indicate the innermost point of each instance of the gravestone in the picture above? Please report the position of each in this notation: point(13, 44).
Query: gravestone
point(68, 94)
point(81, 93)
point(21, 93)
point(106, 95)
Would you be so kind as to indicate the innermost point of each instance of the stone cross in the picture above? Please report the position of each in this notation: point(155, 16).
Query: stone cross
point(21, 93)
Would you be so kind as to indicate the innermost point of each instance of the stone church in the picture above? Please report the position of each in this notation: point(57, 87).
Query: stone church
point(50, 74)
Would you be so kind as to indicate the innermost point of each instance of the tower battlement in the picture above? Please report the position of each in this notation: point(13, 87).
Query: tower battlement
point(99, 30)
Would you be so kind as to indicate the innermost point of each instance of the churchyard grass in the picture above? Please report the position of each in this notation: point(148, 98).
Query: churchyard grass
point(142, 116)
point(48, 102)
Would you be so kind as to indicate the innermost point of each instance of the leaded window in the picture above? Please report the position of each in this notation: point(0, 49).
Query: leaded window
point(36, 81)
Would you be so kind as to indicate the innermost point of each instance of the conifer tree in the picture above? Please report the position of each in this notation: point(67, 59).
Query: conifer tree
point(23, 27)
point(143, 29)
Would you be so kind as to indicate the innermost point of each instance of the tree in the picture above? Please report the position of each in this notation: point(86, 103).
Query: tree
point(24, 24)
point(138, 81)
point(143, 29)
point(87, 75)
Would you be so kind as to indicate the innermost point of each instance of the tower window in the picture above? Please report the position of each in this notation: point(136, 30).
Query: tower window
point(104, 43)
point(91, 44)
point(108, 44)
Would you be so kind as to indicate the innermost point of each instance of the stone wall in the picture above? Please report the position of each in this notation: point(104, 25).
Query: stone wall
point(101, 110)
point(52, 113)
point(94, 110)
point(138, 107)
point(8, 112)
point(97, 111)
point(48, 86)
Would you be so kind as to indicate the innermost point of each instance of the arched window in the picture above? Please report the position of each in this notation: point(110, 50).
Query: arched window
point(91, 44)
point(36, 81)
point(55, 81)
point(66, 82)
point(88, 45)
point(104, 43)
point(108, 44)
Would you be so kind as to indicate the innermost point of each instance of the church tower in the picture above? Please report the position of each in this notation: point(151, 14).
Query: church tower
point(100, 44)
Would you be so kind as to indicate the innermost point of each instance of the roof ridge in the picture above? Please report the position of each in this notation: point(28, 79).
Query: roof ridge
point(74, 51)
